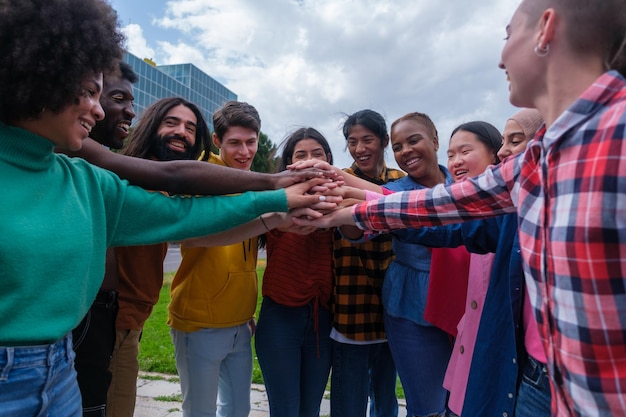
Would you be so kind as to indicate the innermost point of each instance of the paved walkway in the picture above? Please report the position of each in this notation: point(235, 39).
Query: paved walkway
point(158, 395)
point(152, 386)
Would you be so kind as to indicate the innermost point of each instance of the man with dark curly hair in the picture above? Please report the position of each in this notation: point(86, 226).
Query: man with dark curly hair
point(94, 337)
point(59, 213)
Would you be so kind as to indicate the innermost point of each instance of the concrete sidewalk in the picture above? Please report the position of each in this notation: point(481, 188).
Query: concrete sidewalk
point(151, 386)
point(158, 395)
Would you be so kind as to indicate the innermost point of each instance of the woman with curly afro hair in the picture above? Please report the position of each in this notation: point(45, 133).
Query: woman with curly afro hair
point(60, 214)
point(46, 50)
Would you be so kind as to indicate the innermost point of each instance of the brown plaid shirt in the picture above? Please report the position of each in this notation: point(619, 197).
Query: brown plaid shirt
point(359, 272)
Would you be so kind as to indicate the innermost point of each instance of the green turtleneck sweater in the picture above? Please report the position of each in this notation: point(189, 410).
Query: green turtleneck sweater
point(59, 215)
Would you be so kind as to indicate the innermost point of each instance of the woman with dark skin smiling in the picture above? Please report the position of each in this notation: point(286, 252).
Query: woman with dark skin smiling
point(420, 351)
point(60, 214)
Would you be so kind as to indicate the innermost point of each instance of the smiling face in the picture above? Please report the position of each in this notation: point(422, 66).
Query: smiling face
point(238, 147)
point(117, 102)
point(70, 126)
point(307, 149)
point(367, 150)
point(514, 140)
point(468, 156)
point(523, 68)
point(176, 136)
point(415, 150)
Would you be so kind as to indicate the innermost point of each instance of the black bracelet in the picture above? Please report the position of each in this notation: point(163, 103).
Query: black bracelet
point(263, 221)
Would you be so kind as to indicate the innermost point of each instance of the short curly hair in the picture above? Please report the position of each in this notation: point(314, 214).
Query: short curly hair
point(47, 47)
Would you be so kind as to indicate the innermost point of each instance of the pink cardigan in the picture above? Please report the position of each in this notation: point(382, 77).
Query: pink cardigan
point(457, 373)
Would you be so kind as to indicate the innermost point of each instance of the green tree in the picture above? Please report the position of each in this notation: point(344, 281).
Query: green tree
point(265, 159)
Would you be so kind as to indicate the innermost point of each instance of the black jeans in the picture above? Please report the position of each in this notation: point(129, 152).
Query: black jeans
point(94, 339)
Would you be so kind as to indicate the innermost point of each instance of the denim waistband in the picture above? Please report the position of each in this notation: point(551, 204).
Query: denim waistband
point(15, 357)
point(535, 370)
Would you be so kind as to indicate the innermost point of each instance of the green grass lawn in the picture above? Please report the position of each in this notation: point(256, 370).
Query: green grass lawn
point(156, 351)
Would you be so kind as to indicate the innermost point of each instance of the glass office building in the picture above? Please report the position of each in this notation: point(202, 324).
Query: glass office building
point(183, 80)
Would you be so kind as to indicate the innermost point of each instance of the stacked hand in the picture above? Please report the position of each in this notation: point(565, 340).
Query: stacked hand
point(305, 172)
point(320, 202)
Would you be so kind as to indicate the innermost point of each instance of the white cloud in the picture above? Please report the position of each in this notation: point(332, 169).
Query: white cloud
point(136, 42)
point(307, 62)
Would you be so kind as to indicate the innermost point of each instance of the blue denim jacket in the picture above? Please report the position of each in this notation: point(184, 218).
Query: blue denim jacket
point(405, 286)
point(492, 383)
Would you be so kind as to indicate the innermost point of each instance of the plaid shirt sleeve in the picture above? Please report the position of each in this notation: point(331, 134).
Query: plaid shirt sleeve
point(490, 194)
point(569, 188)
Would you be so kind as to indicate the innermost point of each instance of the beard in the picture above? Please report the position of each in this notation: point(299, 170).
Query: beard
point(162, 152)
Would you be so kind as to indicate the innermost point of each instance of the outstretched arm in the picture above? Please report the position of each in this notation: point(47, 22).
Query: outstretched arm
point(245, 231)
point(256, 227)
point(340, 217)
point(300, 197)
point(188, 177)
point(487, 195)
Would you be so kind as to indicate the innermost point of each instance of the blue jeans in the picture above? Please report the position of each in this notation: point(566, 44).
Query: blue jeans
point(533, 395)
point(421, 354)
point(295, 358)
point(360, 371)
point(215, 369)
point(39, 381)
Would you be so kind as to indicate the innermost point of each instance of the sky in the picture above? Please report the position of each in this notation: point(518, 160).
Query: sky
point(312, 62)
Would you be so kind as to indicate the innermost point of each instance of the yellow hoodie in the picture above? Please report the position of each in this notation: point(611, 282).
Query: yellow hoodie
point(214, 287)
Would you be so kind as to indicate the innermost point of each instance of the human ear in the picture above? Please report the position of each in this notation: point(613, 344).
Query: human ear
point(216, 141)
point(546, 28)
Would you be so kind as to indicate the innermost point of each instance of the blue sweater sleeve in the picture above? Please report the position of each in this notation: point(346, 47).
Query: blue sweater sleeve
point(449, 236)
point(481, 236)
point(478, 236)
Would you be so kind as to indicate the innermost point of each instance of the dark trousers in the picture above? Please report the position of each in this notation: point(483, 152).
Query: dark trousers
point(94, 339)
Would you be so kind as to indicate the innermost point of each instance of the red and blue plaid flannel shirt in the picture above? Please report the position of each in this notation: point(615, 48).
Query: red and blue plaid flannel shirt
point(569, 189)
